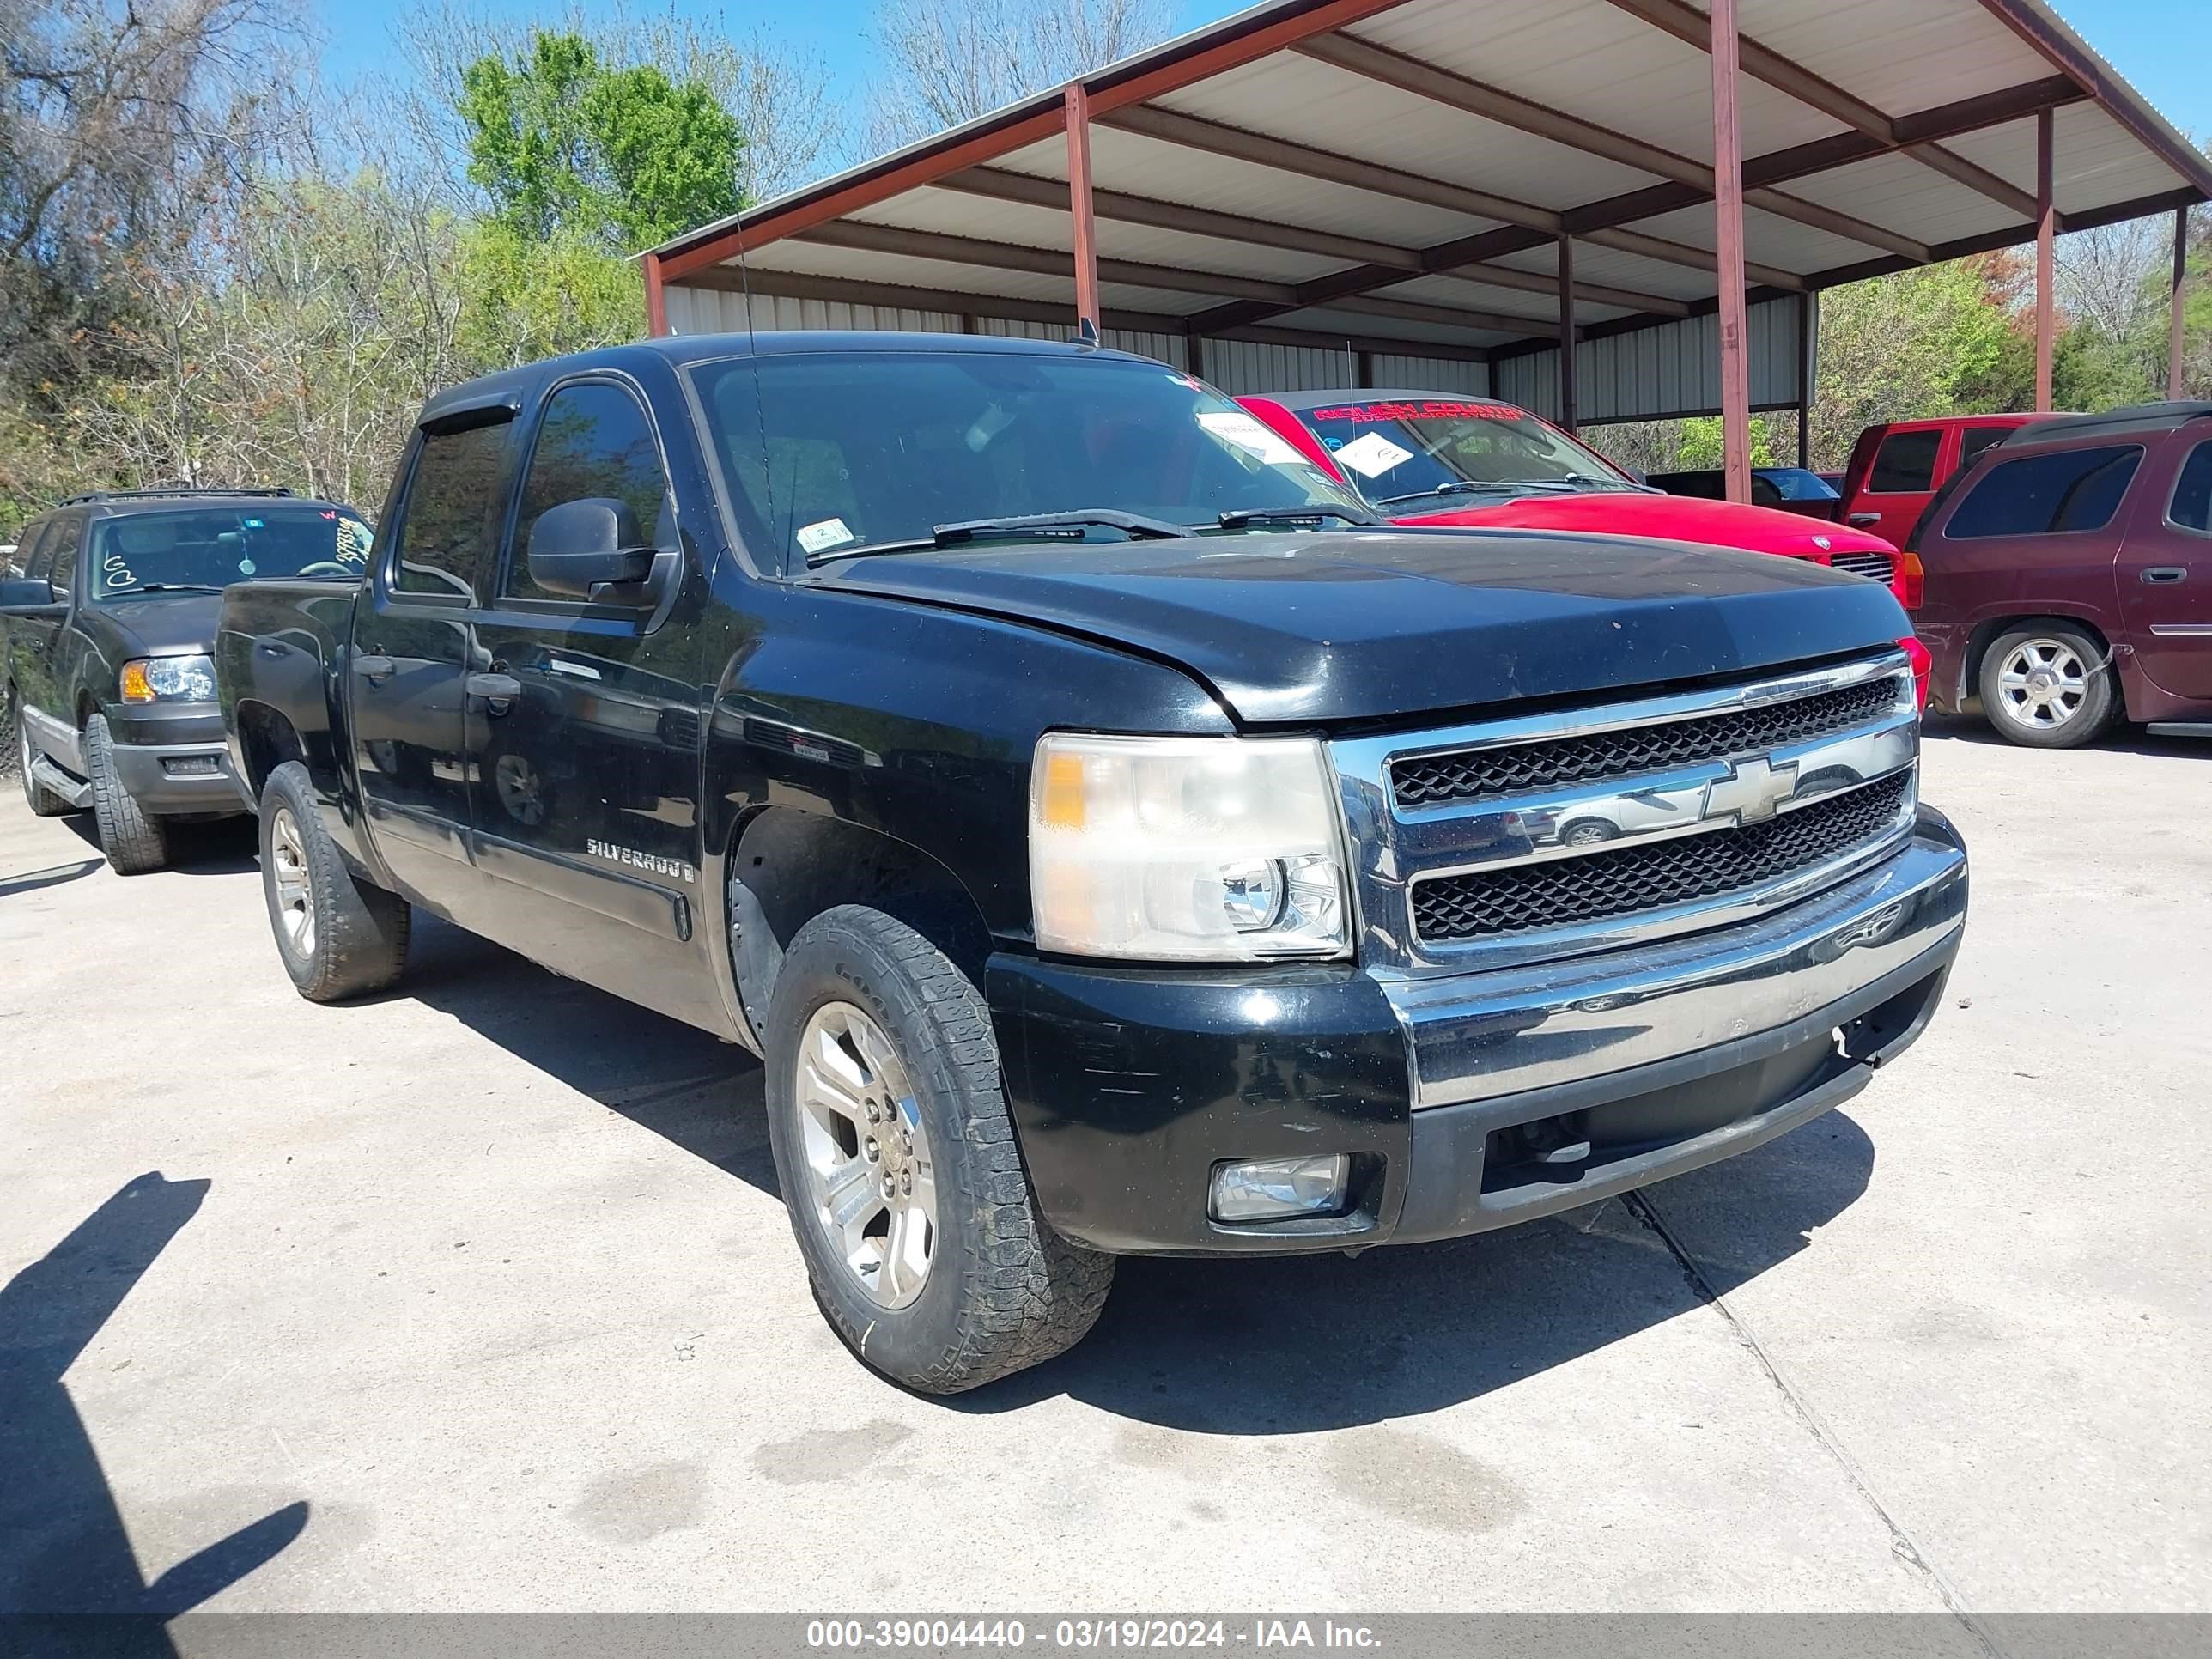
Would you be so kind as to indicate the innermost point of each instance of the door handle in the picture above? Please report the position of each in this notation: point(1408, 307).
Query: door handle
point(1864, 518)
point(498, 691)
point(375, 669)
point(2161, 575)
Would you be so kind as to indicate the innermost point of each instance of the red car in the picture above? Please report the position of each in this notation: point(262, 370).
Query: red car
point(1897, 467)
point(1432, 458)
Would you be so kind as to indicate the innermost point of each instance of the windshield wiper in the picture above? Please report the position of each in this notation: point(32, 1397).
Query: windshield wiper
point(164, 588)
point(1039, 526)
point(1238, 519)
point(1572, 483)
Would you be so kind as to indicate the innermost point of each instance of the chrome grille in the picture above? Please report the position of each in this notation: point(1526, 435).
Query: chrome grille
point(1471, 775)
point(1656, 875)
point(1541, 836)
point(1876, 566)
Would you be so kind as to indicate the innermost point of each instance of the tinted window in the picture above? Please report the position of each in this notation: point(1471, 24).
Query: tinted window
point(1905, 463)
point(453, 499)
point(30, 556)
point(595, 441)
point(2041, 494)
point(58, 551)
point(1974, 442)
point(2192, 490)
point(826, 452)
point(1404, 450)
point(1794, 484)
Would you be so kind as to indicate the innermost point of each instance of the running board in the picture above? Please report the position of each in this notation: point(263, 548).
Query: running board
point(55, 782)
point(2181, 728)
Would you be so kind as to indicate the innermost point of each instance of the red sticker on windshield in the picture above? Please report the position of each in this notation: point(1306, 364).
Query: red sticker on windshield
point(1430, 408)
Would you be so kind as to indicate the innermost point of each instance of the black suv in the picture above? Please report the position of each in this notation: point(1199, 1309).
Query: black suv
point(107, 632)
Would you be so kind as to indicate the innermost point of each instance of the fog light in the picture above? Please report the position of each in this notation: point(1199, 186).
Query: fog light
point(1269, 1189)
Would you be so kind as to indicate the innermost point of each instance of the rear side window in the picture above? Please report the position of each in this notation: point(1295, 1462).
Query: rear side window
point(454, 498)
point(2046, 494)
point(30, 557)
point(595, 441)
point(1975, 441)
point(57, 553)
point(1905, 463)
point(2192, 492)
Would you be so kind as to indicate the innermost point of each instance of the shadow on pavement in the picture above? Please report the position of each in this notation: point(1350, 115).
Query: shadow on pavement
point(220, 846)
point(684, 1085)
point(64, 1549)
point(53, 876)
point(2126, 739)
point(1304, 1343)
point(1225, 1346)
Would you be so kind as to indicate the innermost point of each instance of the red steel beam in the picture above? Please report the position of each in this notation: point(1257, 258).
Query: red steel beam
point(1083, 229)
point(2046, 237)
point(656, 298)
point(2175, 328)
point(1141, 83)
point(1567, 414)
point(1728, 216)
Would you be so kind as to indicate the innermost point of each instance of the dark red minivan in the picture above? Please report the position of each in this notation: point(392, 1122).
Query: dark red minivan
point(2068, 577)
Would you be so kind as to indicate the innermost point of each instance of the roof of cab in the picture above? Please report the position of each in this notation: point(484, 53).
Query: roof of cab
point(1303, 401)
point(511, 387)
point(2135, 417)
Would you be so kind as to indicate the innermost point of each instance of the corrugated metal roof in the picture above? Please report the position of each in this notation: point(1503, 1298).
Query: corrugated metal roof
point(1438, 132)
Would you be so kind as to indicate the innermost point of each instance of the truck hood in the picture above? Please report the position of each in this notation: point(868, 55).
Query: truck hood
point(1326, 627)
point(1675, 518)
point(161, 624)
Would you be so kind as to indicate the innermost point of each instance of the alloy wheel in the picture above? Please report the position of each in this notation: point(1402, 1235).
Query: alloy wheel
point(870, 1177)
point(296, 893)
point(2042, 682)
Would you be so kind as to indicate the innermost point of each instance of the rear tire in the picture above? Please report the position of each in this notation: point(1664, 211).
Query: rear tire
point(886, 1023)
point(2042, 686)
point(42, 801)
point(337, 936)
point(136, 842)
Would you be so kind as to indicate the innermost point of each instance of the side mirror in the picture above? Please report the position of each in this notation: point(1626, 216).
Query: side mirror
point(21, 597)
point(583, 545)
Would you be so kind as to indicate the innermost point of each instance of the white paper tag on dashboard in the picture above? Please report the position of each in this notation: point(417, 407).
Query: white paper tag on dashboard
point(826, 533)
point(1371, 455)
point(1248, 433)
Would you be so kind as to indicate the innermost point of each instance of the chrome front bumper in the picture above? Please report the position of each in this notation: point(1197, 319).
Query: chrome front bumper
point(1480, 1037)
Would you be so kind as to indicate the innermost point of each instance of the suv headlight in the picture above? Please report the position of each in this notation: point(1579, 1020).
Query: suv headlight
point(1186, 849)
point(168, 679)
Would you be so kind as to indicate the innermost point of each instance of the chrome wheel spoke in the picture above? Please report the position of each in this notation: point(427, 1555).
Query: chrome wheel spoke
point(870, 1177)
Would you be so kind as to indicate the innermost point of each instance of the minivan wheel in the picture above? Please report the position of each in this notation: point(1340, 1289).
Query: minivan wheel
point(899, 1167)
point(42, 801)
point(134, 839)
point(2048, 687)
point(337, 936)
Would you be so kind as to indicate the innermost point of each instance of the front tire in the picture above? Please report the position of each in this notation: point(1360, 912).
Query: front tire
point(136, 842)
point(42, 801)
point(899, 1166)
point(338, 937)
point(2049, 687)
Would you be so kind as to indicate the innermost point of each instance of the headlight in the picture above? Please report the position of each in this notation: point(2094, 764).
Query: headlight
point(168, 679)
point(1186, 849)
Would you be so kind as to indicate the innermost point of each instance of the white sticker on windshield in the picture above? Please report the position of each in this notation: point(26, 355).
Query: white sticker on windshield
point(1371, 455)
point(828, 532)
point(1235, 427)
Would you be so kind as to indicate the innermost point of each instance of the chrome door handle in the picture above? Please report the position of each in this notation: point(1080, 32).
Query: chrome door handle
point(498, 691)
point(375, 669)
point(1864, 518)
point(2161, 574)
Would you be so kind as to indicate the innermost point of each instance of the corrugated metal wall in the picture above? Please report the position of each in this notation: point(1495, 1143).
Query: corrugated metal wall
point(1657, 373)
point(1237, 367)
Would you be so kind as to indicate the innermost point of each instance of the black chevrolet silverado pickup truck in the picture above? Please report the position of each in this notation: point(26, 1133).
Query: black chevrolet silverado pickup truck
point(1111, 839)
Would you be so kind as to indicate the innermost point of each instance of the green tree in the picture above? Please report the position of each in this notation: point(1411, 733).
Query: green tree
point(625, 157)
point(1704, 444)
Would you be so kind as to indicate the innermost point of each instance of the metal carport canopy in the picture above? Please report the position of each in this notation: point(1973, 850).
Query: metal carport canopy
point(1415, 178)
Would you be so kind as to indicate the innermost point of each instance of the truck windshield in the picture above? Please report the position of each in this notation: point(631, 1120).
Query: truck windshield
point(210, 548)
point(832, 451)
point(1404, 450)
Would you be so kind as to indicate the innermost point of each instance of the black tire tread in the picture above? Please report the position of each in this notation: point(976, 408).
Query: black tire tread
point(361, 931)
point(136, 842)
point(1033, 1294)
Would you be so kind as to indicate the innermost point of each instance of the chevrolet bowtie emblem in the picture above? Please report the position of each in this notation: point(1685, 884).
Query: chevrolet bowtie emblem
point(1751, 791)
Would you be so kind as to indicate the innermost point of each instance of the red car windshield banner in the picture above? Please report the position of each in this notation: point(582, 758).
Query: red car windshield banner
point(1428, 410)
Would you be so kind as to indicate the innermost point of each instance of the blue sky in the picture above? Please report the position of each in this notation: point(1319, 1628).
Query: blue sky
point(2163, 46)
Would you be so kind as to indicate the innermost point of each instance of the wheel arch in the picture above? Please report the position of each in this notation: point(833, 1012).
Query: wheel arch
point(1988, 631)
point(785, 866)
